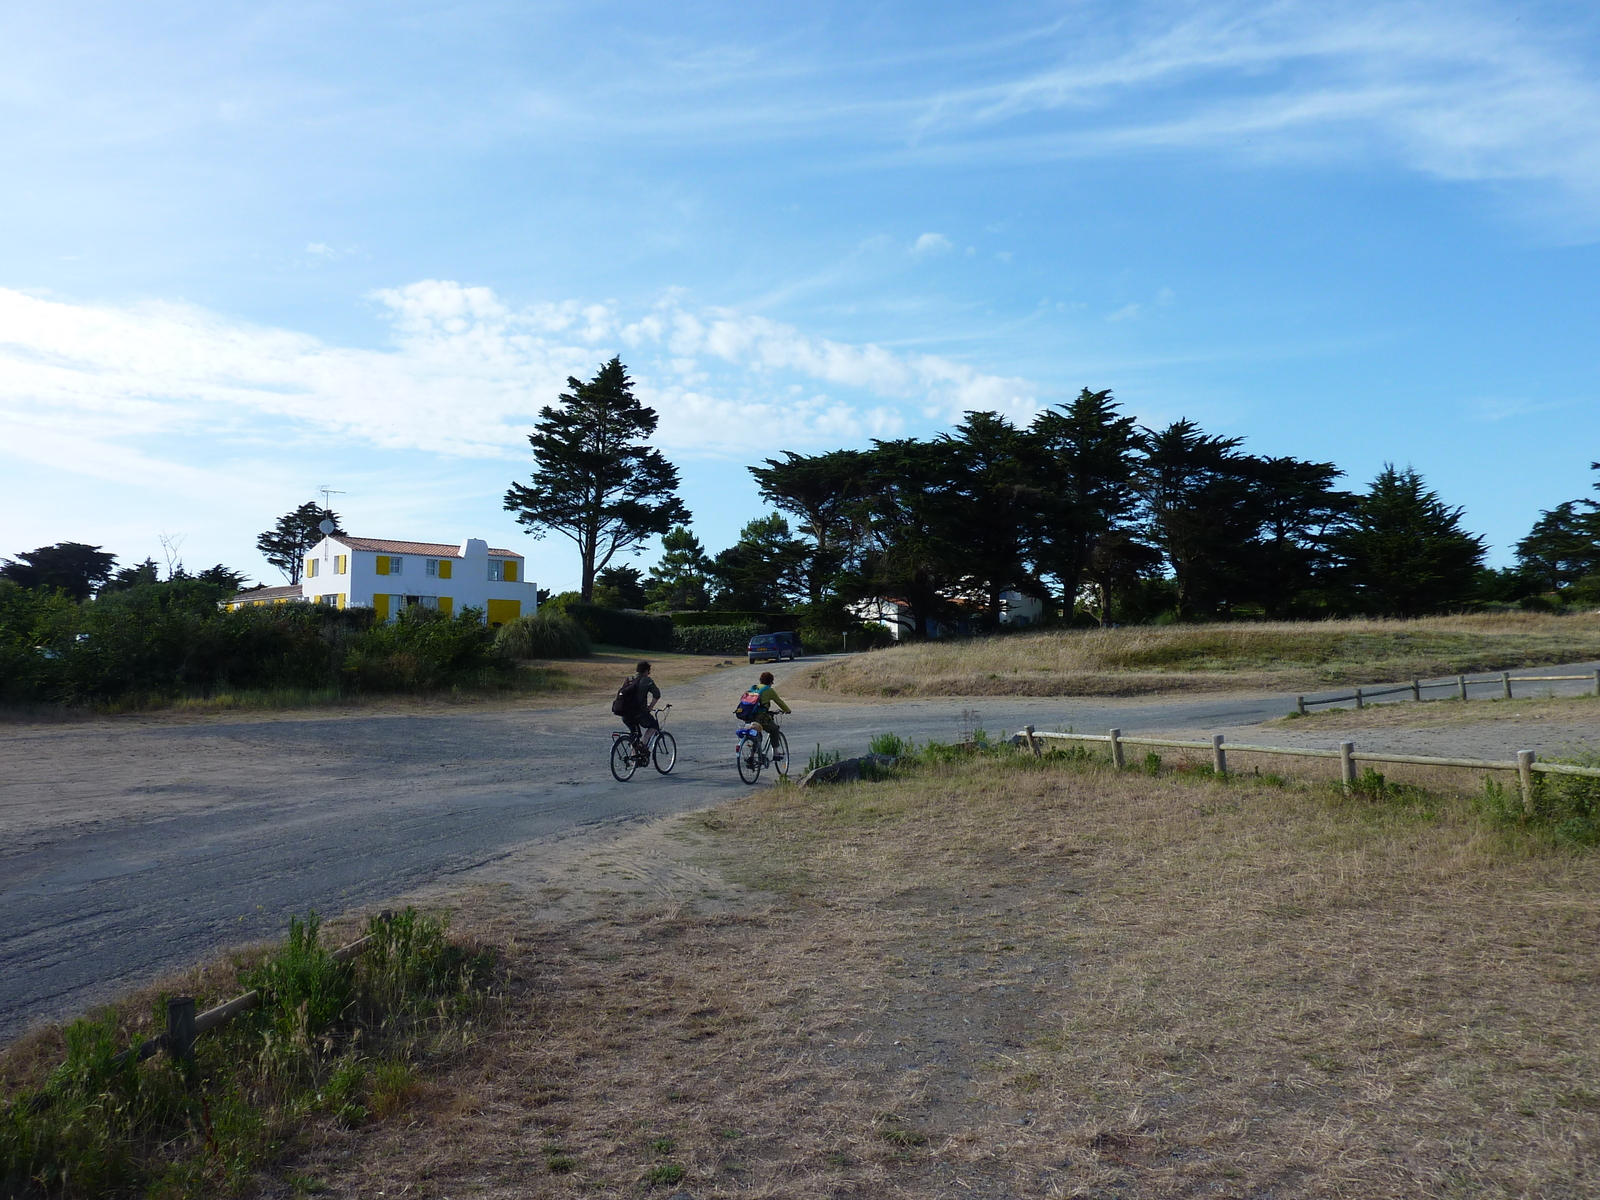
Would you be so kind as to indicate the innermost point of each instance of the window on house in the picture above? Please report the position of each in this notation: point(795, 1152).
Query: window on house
point(395, 565)
point(500, 569)
point(311, 568)
point(341, 564)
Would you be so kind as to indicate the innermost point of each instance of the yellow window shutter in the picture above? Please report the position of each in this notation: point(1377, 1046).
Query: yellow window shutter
point(380, 605)
point(444, 569)
point(501, 611)
point(511, 571)
point(446, 604)
point(383, 564)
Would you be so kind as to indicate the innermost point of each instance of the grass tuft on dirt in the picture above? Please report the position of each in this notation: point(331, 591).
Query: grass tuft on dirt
point(1148, 659)
point(332, 1044)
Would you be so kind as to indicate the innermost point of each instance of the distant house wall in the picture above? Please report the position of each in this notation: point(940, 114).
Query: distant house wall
point(389, 575)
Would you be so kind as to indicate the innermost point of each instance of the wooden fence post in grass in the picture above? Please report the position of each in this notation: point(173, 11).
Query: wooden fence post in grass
point(1525, 778)
point(1116, 749)
point(1360, 700)
point(1219, 756)
point(1347, 765)
point(1505, 678)
point(1032, 745)
point(1461, 683)
point(1300, 701)
point(1597, 681)
point(1416, 690)
point(180, 1029)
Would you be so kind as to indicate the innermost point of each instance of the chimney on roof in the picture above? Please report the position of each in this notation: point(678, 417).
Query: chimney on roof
point(475, 548)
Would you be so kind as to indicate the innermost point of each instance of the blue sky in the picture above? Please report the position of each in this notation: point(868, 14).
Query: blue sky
point(251, 250)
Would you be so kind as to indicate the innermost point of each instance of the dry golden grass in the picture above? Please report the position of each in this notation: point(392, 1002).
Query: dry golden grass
point(1148, 659)
point(1444, 714)
point(1019, 979)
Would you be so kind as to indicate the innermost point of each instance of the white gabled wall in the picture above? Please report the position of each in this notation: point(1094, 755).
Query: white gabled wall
point(468, 584)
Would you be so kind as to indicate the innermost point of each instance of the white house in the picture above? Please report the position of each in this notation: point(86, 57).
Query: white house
point(390, 575)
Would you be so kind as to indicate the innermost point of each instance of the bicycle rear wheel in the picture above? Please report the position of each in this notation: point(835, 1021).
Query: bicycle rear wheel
point(665, 752)
point(748, 758)
point(622, 759)
point(780, 754)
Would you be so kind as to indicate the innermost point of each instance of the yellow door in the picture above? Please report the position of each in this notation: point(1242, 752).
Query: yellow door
point(501, 611)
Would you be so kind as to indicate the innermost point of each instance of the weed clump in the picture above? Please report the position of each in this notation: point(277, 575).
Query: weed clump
point(328, 1039)
point(1566, 808)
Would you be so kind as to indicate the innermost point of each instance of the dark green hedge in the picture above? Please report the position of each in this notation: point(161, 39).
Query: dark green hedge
point(166, 640)
point(714, 639)
point(619, 627)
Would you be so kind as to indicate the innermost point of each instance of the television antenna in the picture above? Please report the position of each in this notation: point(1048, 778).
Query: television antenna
point(327, 496)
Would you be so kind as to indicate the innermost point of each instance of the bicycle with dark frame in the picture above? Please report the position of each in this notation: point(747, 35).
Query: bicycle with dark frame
point(656, 747)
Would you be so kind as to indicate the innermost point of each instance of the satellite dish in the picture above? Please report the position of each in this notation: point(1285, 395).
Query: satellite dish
point(327, 526)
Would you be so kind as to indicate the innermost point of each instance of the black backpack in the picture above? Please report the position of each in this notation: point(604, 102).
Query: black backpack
point(627, 701)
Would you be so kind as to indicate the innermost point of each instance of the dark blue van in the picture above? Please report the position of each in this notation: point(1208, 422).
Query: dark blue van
point(776, 646)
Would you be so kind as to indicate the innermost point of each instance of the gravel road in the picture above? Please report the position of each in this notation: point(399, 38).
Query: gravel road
point(132, 846)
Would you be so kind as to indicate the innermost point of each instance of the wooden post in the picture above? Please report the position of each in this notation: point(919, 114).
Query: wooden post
point(1416, 690)
point(1347, 765)
point(1219, 756)
point(1116, 749)
point(1461, 683)
point(1032, 745)
point(1525, 778)
point(1505, 678)
point(1360, 700)
point(180, 1029)
point(1597, 681)
point(1300, 701)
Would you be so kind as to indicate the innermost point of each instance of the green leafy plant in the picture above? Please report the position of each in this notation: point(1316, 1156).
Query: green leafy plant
point(891, 745)
point(822, 758)
point(545, 634)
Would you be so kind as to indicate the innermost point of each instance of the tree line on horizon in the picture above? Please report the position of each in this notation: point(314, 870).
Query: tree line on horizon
point(1101, 519)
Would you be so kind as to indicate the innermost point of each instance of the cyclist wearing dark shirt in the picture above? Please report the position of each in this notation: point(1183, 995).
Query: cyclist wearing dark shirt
point(645, 693)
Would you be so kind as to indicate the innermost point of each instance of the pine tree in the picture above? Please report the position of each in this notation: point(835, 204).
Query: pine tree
point(764, 570)
point(286, 543)
point(1405, 552)
point(678, 581)
point(73, 567)
point(594, 479)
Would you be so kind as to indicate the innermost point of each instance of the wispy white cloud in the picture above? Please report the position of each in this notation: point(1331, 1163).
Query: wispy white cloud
point(931, 243)
point(1458, 91)
point(1126, 313)
point(128, 390)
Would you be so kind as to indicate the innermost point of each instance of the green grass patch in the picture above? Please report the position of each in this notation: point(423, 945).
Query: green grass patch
point(331, 1042)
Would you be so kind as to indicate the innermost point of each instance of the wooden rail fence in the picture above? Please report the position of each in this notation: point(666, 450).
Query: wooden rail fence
point(184, 1025)
point(1460, 683)
point(1526, 764)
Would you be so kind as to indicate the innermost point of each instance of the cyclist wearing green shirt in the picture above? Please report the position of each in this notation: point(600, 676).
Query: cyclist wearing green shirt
point(769, 697)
